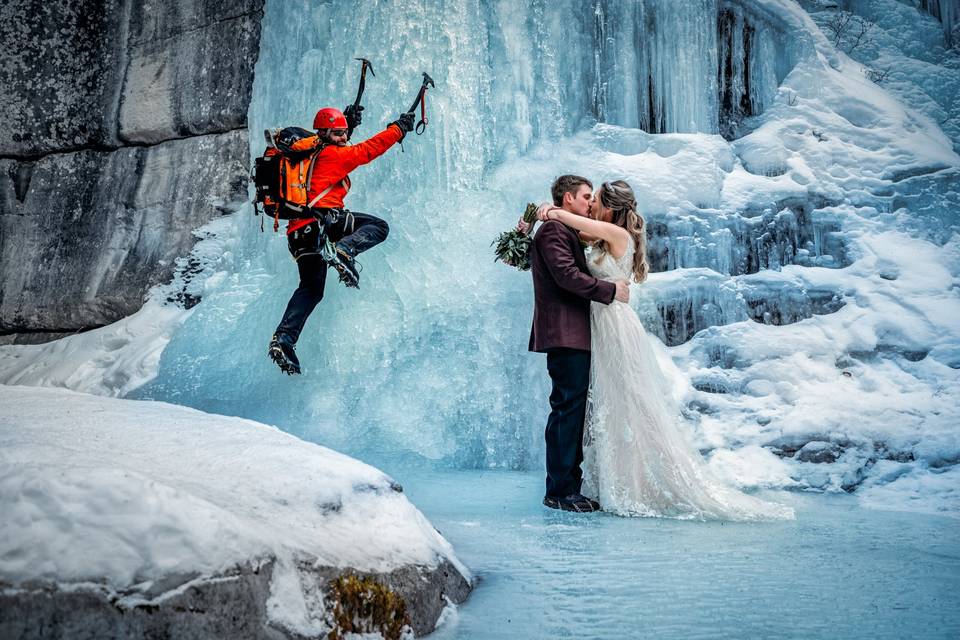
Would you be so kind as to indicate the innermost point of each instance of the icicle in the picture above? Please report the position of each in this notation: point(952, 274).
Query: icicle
point(599, 53)
point(947, 12)
point(677, 308)
point(683, 64)
point(738, 55)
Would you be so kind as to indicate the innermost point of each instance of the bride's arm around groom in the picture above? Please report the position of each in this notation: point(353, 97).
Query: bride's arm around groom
point(563, 290)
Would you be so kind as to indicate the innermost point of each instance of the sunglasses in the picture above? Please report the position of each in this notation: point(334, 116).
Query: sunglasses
point(337, 132)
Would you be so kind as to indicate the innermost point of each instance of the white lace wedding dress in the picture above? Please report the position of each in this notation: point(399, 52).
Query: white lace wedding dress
point(637, 459)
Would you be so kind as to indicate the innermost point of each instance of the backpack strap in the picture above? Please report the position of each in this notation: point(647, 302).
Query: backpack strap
point(313, 164)
point(325, 192)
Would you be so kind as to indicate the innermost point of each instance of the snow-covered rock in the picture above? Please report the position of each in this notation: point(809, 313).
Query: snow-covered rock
point(122, 518)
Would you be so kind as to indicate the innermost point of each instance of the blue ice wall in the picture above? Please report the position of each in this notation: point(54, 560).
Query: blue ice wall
point(429, 357)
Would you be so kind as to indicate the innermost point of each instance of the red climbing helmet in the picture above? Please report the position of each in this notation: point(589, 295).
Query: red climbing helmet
point(329, 118)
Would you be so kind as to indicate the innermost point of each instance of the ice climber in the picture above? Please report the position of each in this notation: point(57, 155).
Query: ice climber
point(350, 232)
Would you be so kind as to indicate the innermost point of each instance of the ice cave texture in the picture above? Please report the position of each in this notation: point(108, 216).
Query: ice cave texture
point(802, 221)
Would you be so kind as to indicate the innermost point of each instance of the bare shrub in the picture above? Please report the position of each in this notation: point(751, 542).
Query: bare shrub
point(876, 76)
point(849, 32)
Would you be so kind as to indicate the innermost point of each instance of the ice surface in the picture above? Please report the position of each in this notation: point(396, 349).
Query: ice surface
point(837, 571)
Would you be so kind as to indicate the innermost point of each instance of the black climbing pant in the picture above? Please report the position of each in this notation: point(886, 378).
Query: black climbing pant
point(352, 232)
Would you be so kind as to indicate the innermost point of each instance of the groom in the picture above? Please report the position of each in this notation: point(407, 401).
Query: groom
point(562, 290)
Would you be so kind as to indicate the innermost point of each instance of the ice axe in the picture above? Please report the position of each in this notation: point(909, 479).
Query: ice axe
point(421, 100)
point(365, 64)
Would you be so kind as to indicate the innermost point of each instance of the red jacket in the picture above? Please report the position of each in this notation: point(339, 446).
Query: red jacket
point(335, 163)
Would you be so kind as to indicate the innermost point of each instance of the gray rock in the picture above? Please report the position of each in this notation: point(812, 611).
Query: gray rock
point(60, 72)
point(231, 605)
point(95, 201)
point(39, 337)
point(153, 20)
point(185, 78)
point(818, 451)
point(84, 235)
point(104, 73)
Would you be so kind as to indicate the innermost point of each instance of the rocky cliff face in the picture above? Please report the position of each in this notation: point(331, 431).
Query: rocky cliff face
point(125, 129)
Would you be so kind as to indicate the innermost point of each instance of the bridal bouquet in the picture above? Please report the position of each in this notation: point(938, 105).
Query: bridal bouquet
point(513, 247)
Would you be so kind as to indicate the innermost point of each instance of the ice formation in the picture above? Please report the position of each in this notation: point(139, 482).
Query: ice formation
point(802, 223)
point(946, 11)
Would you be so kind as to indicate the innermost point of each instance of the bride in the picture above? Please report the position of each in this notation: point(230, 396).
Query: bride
point(637, 459)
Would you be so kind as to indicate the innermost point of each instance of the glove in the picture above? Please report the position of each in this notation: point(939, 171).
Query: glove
point(354, 118)
point(405, 122)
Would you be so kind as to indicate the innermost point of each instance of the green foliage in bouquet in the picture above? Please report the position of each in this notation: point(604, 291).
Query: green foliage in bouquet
point(513, 247)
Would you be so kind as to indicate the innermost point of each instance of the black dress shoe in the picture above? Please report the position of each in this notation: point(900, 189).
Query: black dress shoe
point(550, 501)
point(574, 502)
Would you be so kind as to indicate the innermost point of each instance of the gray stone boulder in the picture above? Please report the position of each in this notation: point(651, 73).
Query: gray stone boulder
point(124, 130)
point(231, 605)
point(85, 234)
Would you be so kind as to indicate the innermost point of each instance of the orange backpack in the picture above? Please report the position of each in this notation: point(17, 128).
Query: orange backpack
point(282, 174)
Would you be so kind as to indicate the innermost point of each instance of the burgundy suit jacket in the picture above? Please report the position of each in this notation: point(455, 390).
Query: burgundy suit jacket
point(562, 290)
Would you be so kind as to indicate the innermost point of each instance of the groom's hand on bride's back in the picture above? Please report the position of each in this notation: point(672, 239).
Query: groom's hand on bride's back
point(623, 291)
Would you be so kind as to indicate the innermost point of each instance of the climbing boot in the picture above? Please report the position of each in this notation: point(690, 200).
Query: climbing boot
point(346, 266)
point(281, 351)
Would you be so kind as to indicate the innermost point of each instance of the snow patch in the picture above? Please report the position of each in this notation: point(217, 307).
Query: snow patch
point(121, 357)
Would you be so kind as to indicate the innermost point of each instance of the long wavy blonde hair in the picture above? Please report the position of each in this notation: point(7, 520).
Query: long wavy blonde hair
point(619, 197)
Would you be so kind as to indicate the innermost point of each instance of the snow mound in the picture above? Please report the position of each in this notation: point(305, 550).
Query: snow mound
point(125, 493)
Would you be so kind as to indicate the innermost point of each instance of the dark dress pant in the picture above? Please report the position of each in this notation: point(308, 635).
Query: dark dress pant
point(353, 232)
point(569, 371)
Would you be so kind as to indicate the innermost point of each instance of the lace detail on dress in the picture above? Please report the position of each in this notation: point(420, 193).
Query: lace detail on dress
point(637, 456)
point(604, 266)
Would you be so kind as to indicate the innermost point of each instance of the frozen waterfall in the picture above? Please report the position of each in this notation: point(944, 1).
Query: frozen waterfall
point(766, 248)
point(946, 11)
point(430, 355)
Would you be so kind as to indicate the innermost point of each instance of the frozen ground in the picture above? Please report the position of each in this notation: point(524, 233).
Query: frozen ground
point(838, 571)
